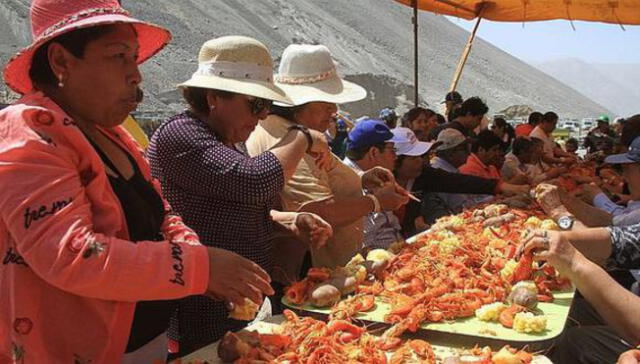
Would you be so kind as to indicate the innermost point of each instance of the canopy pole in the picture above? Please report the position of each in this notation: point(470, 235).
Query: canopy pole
point(415, 51)
point(464, 56)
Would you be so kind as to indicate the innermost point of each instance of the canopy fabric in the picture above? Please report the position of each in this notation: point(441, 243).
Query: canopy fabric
point(623, 12)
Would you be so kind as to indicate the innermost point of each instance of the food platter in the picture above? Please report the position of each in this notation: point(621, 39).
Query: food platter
point(472, 261)
point(209, 354)
point(471, 331)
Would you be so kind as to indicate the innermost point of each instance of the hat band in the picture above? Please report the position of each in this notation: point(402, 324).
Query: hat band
point(294, 80)
point(237, 70)
point(87, 13)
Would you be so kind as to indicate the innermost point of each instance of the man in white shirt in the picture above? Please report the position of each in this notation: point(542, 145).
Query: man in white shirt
point(520, 164)
point(552, 153)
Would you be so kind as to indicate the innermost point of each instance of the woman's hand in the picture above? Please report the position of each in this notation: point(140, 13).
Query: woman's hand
point(588, 192)
point(376, 178)
point(555, 172)
point(392, 197)
point(629, 357)
point(314, 228)
point(320, 150)
point(520, 179)
point(514, 190)
point(233, 277)
point(554, 248)
point(550, 199)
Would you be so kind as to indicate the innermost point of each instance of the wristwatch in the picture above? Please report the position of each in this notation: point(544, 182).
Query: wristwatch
point(566, 222)
point(306, 133)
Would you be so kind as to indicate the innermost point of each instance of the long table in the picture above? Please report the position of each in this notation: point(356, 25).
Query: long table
point(471, 331)
point(210, 353)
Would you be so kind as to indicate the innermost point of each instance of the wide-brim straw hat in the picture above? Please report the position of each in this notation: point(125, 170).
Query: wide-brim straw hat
point(307, 73)
point(237, 64)
point(52, 18)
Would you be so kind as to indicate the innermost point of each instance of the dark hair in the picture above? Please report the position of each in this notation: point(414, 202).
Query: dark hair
point(500, 122)
point(75, 42)
point(522, 145)
point(415, 113)
point(550, 117)
point(571, 141)
point(535, 118)
point(441, 119)
point(535, 140)
point(196, 97)
point(454, 112)
point(359, 153)
point(630, 130)
point(485, 140)
point(508, 129)
point(473, 106)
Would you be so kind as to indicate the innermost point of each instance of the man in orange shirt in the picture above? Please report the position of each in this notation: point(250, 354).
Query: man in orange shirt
point(486, 157)
point(526, 129)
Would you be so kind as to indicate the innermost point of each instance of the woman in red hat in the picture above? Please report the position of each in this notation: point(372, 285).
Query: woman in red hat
point(92, 255)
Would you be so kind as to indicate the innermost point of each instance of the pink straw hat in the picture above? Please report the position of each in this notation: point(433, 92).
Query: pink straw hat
point(52, 18)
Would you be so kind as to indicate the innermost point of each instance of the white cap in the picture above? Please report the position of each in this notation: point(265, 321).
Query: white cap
point(450, 138)
point(406, 143)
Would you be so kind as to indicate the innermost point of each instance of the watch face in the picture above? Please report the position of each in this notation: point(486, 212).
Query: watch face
point(565, 223)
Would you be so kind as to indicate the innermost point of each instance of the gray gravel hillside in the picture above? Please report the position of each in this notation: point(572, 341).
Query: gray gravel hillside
point(371, 40)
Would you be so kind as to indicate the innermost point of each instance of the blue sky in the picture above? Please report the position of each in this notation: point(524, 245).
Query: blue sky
point(549, 40)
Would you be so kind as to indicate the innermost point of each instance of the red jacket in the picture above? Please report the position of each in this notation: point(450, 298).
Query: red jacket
point(523, 130)
point(69, 278)
point(475, 167)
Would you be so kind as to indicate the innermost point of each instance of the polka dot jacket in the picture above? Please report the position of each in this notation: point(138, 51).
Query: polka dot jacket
point(222, 194)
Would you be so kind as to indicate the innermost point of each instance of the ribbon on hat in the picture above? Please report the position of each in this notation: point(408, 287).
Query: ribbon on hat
point(236, 70)
point(87, 13)
point(298, 80)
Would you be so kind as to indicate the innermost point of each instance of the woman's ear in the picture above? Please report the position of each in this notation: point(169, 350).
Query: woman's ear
point(61, 61)
point(212, 100)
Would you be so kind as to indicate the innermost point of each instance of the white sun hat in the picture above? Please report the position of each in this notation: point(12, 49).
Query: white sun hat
point(307, 73)
point(237, 64)
point(405, 142)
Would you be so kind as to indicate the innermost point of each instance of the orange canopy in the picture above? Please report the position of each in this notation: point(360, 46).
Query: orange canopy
point(621, 12)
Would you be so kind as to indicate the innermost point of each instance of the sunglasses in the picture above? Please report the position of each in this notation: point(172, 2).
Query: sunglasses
point(258, 105)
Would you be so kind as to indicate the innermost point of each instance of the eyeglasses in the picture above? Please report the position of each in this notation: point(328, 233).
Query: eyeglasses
point(258, 105)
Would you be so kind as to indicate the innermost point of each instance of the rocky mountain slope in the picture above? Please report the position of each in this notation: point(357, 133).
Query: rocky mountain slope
point(612, 85)
point(371, 41)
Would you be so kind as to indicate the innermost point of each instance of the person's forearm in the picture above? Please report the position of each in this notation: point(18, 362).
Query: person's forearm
point(559, 152)
point(438, 180)
point(594, 243)
point(539, 178)
point(342, 211)
point(589, 215)
point(289, 151)
point(618, 306)
point(551, 159)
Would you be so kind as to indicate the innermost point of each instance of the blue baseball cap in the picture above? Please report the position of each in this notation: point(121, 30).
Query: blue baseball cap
point(631, 156)
point(368, 132)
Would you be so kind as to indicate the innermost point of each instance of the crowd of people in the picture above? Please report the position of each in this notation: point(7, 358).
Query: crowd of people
point(113, 254)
